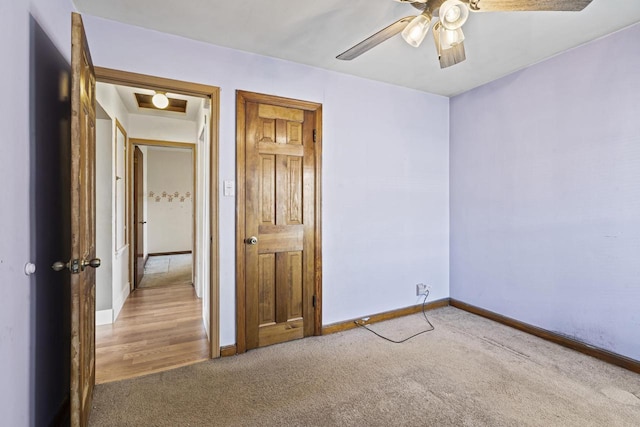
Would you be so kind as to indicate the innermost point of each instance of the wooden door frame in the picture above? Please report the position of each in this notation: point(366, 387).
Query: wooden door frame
point(126, 240)
point(242, 97)
point(125, 78)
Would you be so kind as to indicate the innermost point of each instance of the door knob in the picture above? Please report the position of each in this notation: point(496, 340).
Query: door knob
point(59, 266)
point(93, 263)
point(251, 240)
point(75, 266)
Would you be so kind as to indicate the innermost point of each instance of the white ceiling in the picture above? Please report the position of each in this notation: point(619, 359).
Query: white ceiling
point(314, 32)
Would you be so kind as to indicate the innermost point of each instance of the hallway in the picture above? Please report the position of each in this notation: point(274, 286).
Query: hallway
point(164, 270)
point(159, 328)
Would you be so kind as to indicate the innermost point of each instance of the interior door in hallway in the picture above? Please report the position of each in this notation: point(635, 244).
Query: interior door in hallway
point(138, 212)
point(83, 230)
point(279, 235)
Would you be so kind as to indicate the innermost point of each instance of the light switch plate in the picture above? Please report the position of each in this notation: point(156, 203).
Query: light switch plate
point(229, 189)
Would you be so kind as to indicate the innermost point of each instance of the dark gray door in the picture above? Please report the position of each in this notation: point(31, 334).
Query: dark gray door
point(50, 229)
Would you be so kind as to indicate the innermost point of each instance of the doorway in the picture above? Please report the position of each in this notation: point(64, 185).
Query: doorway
point(138, 216)
point(205, 230)
point(278, 222)
point(165, 223)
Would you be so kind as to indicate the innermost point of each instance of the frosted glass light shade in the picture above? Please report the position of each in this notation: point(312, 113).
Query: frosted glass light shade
point(453, 14)
point(417, 30)
point(160, 100)
point(450, 38)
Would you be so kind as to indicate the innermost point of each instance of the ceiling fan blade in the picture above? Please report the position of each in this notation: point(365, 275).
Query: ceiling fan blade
point(453, 56)
point(373, 41)
point(527, 5)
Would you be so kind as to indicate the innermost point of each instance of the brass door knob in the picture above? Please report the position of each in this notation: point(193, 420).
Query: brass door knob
point(75, 266)
point(59, 266)
point(93, 263)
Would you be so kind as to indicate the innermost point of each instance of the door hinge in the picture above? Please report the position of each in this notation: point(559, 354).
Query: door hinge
point(313, 301)
point(315, 133)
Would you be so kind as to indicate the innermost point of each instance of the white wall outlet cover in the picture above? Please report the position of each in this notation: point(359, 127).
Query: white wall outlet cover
point(229, 188)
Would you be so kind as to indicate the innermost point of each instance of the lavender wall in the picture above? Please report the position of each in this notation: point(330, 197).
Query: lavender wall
point(14, 215)
point(16, 367)
point(545, 194)
point(385, 180)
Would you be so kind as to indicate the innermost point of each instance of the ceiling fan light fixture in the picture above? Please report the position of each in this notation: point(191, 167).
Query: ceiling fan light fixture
point(415, 32)
point(160, 100)
point(450, 16)
point(453, 14)
point(450, 38)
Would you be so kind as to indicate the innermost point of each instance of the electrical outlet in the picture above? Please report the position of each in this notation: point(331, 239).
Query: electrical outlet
point(422, 289)
point(363, 321)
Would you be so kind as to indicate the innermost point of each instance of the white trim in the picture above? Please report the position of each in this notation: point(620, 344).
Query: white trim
point(119, 300)
point(120, 251)
point(104, 317)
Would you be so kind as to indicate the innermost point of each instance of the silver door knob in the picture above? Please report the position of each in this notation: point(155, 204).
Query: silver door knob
point(252, 240)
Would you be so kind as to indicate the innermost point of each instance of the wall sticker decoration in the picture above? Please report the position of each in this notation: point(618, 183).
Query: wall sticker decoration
point(170, 196)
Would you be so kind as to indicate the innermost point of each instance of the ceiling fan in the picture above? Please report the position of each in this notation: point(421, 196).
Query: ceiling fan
point(447, 29)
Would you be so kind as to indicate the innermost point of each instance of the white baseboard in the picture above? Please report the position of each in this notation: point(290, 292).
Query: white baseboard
point(121, 297)
point(104, 317)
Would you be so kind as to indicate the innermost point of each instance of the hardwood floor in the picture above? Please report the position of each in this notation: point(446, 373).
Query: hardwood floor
point(158, 329)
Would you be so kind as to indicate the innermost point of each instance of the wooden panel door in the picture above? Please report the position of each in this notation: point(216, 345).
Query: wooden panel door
point(138, 213)
point(279, 227)
point(83, 233)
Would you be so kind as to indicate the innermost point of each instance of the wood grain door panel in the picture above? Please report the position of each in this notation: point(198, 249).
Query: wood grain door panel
point(83, 233)
point(279, 209)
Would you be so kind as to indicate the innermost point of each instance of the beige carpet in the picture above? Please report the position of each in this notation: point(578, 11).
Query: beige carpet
point(468, 372)
point(165, 270)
